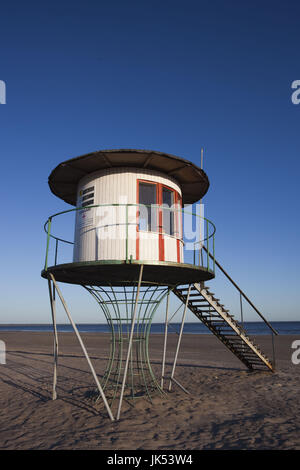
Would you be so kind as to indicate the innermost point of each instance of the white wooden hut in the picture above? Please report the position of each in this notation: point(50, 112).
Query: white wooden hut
point(129, 204)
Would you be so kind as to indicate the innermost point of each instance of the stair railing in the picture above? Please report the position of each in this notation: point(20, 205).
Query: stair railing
point(243, 295)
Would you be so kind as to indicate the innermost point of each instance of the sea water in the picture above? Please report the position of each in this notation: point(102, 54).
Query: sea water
point(253, 328)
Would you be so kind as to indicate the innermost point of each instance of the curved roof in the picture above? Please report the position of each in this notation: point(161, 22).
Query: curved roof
point(64, 179)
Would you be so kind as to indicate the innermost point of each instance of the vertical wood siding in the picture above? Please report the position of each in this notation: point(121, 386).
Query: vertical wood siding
point(103, 239)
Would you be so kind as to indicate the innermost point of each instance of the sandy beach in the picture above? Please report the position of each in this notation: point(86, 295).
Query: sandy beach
point(228, 407)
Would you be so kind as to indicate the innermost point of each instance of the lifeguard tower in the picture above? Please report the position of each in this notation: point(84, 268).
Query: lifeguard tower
point(131, 250)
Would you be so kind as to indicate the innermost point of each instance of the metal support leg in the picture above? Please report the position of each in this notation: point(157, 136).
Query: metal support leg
point(179, 339)
point(273, 350)
point(241, 305)
point(130, 342)
point(179, 385)
point(55, 347)
point(83, 348)
point(165, 342)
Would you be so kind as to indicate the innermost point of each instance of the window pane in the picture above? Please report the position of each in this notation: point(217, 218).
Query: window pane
point(147, 198)
point(168, 211)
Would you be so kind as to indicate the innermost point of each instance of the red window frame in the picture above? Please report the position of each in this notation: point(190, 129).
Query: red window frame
point(177, 219)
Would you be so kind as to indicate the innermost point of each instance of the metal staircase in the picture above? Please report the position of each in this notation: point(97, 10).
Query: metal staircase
point(207, 308)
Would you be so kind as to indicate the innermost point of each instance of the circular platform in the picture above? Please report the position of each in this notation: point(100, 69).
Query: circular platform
point(64, 179)
point(114, 272)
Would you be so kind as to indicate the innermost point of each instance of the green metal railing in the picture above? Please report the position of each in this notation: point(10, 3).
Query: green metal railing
point(192, 250)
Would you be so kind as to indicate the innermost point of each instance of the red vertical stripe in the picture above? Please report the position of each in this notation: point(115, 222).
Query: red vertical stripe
point(177, 226)
point(137, 242)
point(161, 243)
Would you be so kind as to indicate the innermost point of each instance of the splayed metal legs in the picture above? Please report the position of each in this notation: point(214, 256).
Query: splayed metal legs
point(80, 342)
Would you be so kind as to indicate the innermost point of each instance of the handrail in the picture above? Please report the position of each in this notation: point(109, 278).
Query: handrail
point(243, 294)
point(209, 224)
point(127, 205)
point(53, 236)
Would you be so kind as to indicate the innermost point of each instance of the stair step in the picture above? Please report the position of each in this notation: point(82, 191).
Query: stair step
point(182, 289)
point(223, 331)
point(201, 311)
point(221, 328)
point(217, 326)
point(205, 310)
point(238, 341)
point(227, 325)
point(229, 335)
point(257, 363)
point(245, 350)
point(231, 327)
point(252, 360)
point(263, 368)
point(228, 318)
point(219, 322)
point(225, 334)
point(208, 306)
point(208, 320)
point(209, 317)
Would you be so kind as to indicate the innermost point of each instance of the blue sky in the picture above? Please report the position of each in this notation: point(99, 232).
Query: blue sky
point(169, 76)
